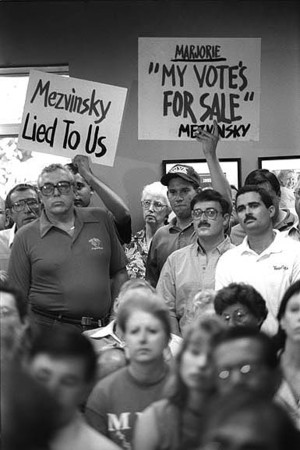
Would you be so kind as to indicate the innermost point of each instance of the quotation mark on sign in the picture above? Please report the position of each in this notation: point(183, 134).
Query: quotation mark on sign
point(152, 66)
point(249, 96)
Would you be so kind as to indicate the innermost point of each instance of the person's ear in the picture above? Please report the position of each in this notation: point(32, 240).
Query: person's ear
point(226, 218)
point(272, 211)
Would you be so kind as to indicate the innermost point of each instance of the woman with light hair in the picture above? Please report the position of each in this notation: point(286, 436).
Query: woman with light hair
point(156, 208)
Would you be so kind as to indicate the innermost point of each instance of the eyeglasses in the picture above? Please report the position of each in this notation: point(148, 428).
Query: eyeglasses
point(237, 316)
point(31, 203)
point(245, 371)
point(157, 206)
point(63, 187)
point(210, 213)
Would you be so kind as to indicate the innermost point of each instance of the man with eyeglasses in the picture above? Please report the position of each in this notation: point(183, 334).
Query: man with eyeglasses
point(69, 263)
point(192, 268)
point(87, 183)
point(183, 182)
point(22, 206)
point(245, 357)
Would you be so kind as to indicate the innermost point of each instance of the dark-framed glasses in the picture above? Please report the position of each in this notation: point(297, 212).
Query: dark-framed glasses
point(31, 203)
point(209, 213)
point(63, 187)
point(157, 206)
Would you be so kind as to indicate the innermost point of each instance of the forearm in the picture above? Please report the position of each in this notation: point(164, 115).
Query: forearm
point(111, 200)
point(116, 282)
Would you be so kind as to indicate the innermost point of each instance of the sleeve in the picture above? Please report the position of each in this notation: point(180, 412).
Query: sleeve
point(146, 434)
point(96, 409)
point(19, 268)
point(166, 286)
point(118, 259)
point(223, 273)
point(152, 271)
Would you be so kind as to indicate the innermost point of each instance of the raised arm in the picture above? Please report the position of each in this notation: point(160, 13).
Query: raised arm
point(111, 200)
point(209, 143)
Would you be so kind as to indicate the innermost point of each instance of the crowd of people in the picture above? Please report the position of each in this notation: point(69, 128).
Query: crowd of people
point(183, 336)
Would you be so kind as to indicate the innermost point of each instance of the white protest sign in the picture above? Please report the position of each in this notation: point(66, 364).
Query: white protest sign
point(66, 116)
point(188, 82)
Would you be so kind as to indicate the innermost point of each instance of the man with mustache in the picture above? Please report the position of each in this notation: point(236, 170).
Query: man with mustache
point(183, 182)
point(265, 259)
point(22, 206)
point(192, 269)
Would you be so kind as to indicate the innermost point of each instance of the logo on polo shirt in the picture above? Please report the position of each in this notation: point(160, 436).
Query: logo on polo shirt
point(282, 267)
point(179, 169)
point(96, 244)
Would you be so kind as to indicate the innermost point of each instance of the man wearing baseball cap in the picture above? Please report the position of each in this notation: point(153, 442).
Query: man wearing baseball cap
point(183, 182)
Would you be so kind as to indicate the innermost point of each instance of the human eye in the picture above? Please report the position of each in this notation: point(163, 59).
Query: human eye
point(240, 208)
point(172, 192)
point(43, 375)
point(254, 205)
point(211, 213)
point(185, 191)
point(32, 202)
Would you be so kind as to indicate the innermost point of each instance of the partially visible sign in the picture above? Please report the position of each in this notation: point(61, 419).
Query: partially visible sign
point(185, 83)
point(67, 116)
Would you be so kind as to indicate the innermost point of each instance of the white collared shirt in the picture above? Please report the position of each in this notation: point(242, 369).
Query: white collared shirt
point(270, 272)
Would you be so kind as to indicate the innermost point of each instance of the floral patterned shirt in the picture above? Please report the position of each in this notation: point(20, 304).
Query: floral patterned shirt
point(136, 252)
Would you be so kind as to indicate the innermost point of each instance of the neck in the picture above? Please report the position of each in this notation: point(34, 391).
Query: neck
point(279, 217)
point(260, 242)
point(66, 218)
point(151, 229)
point(183, 222)
point(291, 354)
point(148, 373)
point(197, 399)
point(211, 243)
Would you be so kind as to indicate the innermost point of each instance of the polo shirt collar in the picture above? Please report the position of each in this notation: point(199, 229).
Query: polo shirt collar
point(274, 247)
point(173, 225)
point(82, 215)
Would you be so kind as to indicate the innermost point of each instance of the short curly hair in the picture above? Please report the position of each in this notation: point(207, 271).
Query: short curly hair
point(241, 293)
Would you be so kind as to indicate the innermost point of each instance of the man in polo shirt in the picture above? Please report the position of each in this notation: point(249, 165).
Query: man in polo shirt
point(282, 219)
point(192, 269)
point(22, 206)
point(183, 183)
point(68, 263)
point(266, 259)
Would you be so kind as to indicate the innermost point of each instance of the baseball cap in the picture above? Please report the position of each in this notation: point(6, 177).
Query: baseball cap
point(188, 173)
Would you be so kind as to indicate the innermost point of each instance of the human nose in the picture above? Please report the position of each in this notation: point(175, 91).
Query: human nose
point(56, 191)
point(202, 361)
point(143, 336)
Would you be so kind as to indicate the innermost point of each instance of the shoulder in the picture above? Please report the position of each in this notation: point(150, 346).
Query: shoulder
point(95, 440)
point(92, 213)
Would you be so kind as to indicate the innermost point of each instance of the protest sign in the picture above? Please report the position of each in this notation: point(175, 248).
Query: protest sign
point(68, 116)
point(185, 83)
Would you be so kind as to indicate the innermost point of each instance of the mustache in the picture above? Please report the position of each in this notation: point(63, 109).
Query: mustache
point(249, 216)
point(205, 224)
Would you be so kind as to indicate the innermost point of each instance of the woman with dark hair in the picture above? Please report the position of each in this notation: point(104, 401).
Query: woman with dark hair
point(240, 304)
point(174, 422)
point(116, 401)
point(288, 339)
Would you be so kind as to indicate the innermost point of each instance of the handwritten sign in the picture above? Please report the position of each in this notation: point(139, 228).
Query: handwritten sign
point(67, 116)
point(185, 83)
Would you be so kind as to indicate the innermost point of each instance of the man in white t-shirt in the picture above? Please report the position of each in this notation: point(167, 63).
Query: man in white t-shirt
point(265, 259)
